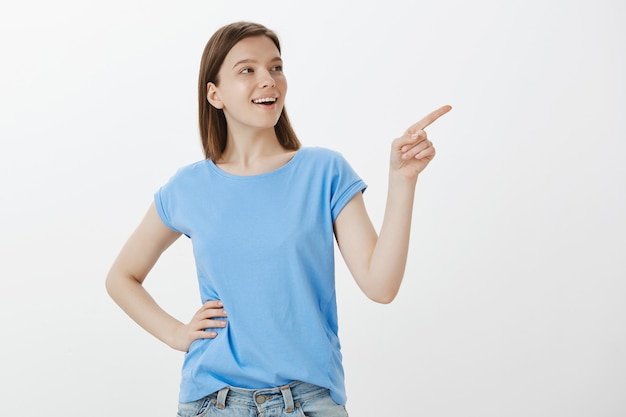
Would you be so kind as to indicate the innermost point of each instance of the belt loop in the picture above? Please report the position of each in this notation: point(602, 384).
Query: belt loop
point(221, 398)
point(286, 391)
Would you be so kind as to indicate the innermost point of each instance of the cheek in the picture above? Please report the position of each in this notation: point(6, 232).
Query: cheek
point(235, 91)
point(281, 82)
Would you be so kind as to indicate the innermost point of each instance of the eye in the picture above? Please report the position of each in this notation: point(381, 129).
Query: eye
point(246, 71)
point(277, 68)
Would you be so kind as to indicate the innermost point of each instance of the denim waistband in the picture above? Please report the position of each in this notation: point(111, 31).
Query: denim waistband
point(286, 396)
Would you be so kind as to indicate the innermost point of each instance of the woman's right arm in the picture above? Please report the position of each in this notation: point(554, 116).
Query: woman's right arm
point(124, 284)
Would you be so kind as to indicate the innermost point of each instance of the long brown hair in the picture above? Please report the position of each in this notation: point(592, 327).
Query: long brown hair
point(212, 121)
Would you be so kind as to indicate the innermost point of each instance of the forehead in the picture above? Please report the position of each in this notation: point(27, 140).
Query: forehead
point(256, 48)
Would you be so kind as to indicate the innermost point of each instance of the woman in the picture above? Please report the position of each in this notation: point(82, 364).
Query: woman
point(262, 213)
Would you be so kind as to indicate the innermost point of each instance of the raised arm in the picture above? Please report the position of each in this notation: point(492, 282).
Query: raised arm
point(124, 284)
point(377, 261)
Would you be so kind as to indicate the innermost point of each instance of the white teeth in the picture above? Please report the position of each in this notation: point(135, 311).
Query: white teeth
point(265, 100)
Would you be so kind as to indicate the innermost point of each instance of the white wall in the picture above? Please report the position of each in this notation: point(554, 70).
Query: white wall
point(514, 299)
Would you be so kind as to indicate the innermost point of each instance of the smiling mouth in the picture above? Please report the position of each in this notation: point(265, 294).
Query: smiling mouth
point(265, 100)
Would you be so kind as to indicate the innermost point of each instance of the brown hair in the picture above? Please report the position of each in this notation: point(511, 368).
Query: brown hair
point(212, 121)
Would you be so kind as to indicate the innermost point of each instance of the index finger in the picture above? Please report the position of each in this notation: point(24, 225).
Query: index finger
point(212, 304)
point(431, 117)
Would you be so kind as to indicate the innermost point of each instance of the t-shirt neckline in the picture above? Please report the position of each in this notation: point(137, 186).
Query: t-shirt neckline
point(278, 170)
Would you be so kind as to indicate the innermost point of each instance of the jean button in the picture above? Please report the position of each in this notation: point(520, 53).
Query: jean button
point(260, 399)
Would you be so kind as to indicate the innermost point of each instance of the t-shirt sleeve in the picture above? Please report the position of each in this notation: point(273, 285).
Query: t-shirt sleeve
point(164, 201)
point(345, 184)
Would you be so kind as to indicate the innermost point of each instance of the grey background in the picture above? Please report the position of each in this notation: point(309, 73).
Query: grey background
point(513, 300)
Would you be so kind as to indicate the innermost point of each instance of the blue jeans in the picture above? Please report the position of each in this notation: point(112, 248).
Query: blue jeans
point(297, 399)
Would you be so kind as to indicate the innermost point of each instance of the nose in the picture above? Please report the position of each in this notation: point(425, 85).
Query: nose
point(266, 80)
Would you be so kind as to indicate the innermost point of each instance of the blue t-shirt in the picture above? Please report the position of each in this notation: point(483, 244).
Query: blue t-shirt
point(264, 246)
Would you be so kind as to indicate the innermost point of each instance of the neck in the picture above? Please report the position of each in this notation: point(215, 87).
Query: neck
point(245, 148)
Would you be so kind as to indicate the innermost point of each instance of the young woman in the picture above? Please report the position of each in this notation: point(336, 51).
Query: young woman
point(262, 213)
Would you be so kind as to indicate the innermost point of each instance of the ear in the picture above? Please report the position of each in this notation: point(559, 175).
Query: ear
point(213, 96)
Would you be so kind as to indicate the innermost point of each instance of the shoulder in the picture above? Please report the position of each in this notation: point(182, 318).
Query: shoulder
point(191, 170)
point(320, 155)
point(326, 162)
point(319, 152)
point(187, 175)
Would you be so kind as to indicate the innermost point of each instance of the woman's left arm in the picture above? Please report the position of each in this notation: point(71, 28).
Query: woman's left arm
point(377, 261)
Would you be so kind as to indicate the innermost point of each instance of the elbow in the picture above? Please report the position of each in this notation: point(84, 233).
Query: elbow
point(381, 289)
point(387, 299)
point(109, 285)
point(115, 283)
point(383, 297)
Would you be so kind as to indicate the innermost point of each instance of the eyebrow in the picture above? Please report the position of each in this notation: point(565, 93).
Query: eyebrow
point(247, 61)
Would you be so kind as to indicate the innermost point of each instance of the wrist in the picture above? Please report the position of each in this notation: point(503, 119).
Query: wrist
point(172, 337)
point(398, 179)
